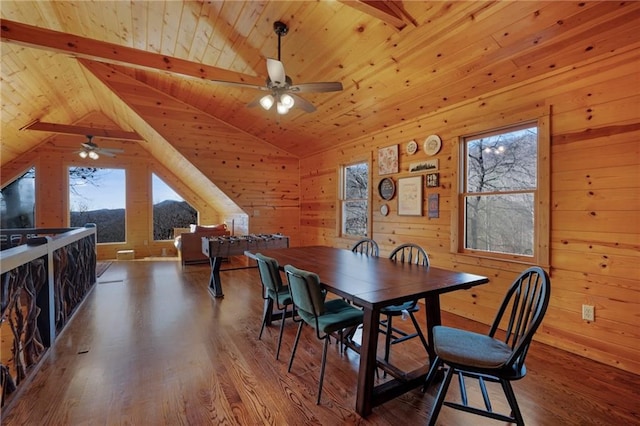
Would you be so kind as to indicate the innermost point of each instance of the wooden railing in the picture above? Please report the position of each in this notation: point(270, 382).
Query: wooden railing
point(43, 282)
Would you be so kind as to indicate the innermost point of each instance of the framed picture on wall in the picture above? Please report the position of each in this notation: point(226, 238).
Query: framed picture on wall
point(388, 160)
point(433, 180)
point(410, 196)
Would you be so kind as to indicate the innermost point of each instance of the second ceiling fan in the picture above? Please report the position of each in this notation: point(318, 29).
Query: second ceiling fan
point(283, 94)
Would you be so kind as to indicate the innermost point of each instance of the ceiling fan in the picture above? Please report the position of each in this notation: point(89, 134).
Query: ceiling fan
point(93, 151)
point(282, 92)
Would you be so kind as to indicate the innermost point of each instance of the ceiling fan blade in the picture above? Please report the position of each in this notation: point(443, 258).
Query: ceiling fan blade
point(303, 104)
point(107, 153)
point(110, 150)
point(334, 86)
point(276, 72)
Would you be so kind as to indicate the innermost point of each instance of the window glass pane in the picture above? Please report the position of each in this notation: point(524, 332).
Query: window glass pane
point(169, 210)
point(356, 181)
point(355, 217)
point(500, 223)
point(503, 162)
point(98, 196)
point(18, 202)
point(355, 202)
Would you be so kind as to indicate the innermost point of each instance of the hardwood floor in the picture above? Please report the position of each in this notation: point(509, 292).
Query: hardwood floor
point(150, 346)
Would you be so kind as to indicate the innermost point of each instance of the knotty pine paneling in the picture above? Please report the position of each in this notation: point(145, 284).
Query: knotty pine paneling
point(595, 175)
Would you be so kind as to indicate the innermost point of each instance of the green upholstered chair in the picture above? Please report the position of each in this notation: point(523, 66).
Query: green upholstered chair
point(274, 290)
point(326, 317)
point(366, 246)
point(494, 357)
point(405, 253)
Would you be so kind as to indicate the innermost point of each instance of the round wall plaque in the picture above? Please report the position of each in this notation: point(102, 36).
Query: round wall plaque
point(384, 209)
point(387, 188)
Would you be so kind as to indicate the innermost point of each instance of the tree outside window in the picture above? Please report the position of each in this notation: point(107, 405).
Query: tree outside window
point(355, 199)
point(500, 191)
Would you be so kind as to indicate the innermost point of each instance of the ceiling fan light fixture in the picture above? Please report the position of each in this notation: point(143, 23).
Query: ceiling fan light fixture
point(83, 154)
point(282, 108)
point(287, 101)
point(93, 155)
point(267, 102)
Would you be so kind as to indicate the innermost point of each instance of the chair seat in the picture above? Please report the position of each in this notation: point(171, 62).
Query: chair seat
point(338, 314)
point(282, 296)
point(396, 310)
point(470, 349)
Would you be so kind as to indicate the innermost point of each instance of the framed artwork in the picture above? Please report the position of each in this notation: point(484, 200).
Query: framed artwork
point(433, 180)
point(424, 166)
point(388, 160)
point(410, 196)
point(433, 206)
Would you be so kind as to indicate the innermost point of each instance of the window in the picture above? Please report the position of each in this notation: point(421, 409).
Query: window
point(18, 202)
point(355, 199)
point(504, 194)
point(169, 210)
point(98, 196)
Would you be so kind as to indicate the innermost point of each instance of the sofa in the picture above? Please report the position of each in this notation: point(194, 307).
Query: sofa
point(188, 241)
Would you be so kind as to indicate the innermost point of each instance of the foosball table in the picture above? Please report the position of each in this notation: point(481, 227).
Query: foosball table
point(218, 248)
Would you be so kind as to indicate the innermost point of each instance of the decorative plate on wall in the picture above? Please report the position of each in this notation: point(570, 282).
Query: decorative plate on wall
point(412, 147)
point(384, 209)
point(432, 145)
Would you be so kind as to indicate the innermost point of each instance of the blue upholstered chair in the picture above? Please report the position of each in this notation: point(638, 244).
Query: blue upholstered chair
point(326, 317)
point(273, 289)
point(494, 357)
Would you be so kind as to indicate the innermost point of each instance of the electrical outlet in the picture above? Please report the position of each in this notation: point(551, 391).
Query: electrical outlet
point(146, 242)
point(588, 313)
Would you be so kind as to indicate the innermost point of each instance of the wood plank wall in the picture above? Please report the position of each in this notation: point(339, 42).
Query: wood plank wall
point(595, 202)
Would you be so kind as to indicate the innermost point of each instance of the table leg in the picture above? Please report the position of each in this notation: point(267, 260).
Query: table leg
point(368, 362)
point(215, 286)
point(432, 306)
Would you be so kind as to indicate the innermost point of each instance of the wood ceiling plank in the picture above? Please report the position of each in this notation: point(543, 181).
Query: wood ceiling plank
point(171, 23)
point(139, 24)
point(155, 13)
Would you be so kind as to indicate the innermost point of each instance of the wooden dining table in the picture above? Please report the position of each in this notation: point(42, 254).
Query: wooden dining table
point(373, 283)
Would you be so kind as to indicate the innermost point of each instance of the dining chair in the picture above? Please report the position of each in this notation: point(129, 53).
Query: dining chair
point(497, 356)
point(310, 308)
point(404, 253)
point(273, 290)
point(366, 246)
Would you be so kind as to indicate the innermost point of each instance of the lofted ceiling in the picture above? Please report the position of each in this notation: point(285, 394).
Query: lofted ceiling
point(397, 60)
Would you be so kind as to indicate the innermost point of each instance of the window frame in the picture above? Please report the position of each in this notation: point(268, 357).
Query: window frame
point(542, 197)
point(342, 200)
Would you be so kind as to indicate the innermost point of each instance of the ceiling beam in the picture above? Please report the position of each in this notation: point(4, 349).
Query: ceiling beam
point(81, 130)
point(391, 12)
point(41, 38)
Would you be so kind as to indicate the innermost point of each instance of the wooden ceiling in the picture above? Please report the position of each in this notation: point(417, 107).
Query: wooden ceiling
point(396, 60)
